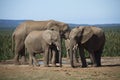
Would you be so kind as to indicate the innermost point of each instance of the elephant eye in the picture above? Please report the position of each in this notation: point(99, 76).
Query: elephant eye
point(52, 29)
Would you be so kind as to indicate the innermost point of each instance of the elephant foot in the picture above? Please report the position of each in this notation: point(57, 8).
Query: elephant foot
point(96, 65)
point(72, 66)
point(84, 66)
point(99, 66)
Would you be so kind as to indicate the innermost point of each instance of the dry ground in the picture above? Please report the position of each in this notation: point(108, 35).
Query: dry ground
point(110, 70)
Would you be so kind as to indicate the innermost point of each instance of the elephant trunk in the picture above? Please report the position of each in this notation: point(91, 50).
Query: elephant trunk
point(60, 58)
point(59, 52)
point(72, 43)
point(67, 34)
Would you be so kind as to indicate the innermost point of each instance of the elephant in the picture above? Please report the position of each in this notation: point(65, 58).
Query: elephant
point(41, 42)
point(26, 27)
point(90, 38)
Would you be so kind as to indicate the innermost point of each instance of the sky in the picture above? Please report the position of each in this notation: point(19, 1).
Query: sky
point(69, 11)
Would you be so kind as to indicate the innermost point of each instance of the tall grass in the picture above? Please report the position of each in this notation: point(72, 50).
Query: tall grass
point(112, 45)
point(5, 44)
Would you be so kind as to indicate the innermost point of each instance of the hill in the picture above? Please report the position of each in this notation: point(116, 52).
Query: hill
point(98, 25)
point(6, 24)
point(11, 24)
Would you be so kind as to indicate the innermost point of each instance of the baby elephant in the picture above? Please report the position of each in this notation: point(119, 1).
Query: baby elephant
point(40, 42)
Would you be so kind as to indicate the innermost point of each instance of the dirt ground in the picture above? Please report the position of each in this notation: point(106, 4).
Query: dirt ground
point(110, 70)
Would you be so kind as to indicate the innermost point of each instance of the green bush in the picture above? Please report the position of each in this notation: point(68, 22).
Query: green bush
point(112, 45)
point(5, 44)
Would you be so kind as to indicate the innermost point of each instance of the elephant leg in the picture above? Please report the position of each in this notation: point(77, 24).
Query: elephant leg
point(35, 60)
point(46, 57)
point(93, 59)
point(30, 59)
point(16, 57)
point(82, 56)
point(54, 58)
point(18, 48)
point(71, 58)
point(76, 57)
point(98, 58)
point(57, 56)
point(50, 56)
point(54, 50)
point(23, 56)
point(68, 55)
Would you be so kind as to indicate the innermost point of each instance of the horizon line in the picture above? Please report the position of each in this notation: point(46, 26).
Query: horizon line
point(63, 21)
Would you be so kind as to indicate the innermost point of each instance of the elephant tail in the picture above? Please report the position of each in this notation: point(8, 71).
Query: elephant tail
point(25, 51)
point(13, 38)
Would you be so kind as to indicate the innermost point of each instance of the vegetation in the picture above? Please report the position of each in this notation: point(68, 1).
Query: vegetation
point(6, 44)
point(112, 45)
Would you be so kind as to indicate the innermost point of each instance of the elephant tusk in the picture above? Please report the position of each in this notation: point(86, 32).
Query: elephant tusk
point(58, 49)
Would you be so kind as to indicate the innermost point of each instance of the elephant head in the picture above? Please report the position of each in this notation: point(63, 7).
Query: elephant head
point(53, 38)
point(60, 27)
point(79, 35)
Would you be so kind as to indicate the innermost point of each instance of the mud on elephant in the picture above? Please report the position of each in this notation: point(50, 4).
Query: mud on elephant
point(20, 33)
point(90, 38)
point(41, 42)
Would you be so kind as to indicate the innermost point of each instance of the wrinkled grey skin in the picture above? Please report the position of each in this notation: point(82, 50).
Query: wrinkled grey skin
point(41, 42)
point(26, 27)
point(90, 38)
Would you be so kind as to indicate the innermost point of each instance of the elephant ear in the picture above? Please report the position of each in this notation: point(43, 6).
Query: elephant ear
point(87, 34)
point(47, 36)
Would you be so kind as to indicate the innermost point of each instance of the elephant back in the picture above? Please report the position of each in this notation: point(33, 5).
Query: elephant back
point(97, 31)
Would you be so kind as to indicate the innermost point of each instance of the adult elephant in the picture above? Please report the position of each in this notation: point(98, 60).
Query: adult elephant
point(26, 27)
point(90, 38)
point(41, 42)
